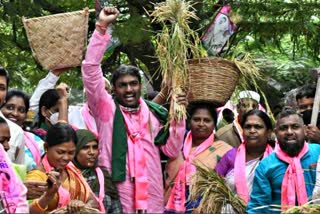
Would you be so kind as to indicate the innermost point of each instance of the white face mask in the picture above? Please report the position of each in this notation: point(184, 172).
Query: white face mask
point(54, 118)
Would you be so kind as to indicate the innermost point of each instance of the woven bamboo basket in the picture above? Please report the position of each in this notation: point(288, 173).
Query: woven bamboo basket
point(84, 210)
point(58, 41)
point(212, 80)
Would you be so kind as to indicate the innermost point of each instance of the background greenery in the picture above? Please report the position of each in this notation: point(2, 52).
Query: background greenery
point(281, 35)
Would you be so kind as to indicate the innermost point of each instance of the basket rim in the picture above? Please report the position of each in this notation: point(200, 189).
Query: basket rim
point(58, 15)
point(209, 59)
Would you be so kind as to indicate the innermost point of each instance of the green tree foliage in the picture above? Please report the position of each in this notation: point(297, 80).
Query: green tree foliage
point(282, 36)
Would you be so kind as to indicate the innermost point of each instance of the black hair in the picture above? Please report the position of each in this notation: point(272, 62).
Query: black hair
point(125, 70)
point(287, 111)
point(3, 121)
point(4, 73)
point(308, 91)
point(259, 113)
point(203, 105)
point(17, 93)
point(60, 133)
point(228, 115)
point(48, 99)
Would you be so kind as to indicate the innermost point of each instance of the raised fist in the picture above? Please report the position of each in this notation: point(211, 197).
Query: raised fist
point(107, 16)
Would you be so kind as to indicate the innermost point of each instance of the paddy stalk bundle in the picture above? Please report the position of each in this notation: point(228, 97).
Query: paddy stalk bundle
point(175, 44)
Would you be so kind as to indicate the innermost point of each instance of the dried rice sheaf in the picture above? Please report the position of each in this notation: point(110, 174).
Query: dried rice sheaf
point(214, 192)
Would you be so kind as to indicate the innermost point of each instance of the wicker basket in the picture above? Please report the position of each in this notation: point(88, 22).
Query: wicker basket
point(84, 210)
point(58, 41)
point(212, 80)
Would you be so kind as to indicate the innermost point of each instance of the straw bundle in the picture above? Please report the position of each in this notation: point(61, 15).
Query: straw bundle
point(214, 192)
point(58, 41)
point(84, 210)
point(306, 208)
point(250, 74)
point(173, 44)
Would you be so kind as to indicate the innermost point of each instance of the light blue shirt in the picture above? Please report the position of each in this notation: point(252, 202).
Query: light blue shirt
point(268, 178)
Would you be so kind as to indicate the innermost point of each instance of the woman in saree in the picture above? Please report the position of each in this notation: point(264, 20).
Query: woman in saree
point(98, 178)
point(66, 185)
point(238, 165)
point(199, 147)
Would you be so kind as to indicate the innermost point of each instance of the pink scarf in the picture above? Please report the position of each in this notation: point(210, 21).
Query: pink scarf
point(32, 146)
point(240, 171)
point(238, 128)
point(137, 160)
point(293, 181)
point(177, 196)
point(88, 119)
point(64, 195)
point(101, 185)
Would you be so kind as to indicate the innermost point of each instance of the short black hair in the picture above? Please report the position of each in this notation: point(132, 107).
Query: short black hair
point(308, 91)
point(4, 73)
point(60, 133)
point(192, 107)
point(125, 70)
point(287, 111)
point(228, 115)
point(17, 93)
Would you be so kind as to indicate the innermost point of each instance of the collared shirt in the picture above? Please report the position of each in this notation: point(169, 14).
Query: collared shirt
point(266, 189)
point(103, 110)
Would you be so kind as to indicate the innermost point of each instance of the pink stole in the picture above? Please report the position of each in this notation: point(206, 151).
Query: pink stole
point(64, 195)
point(32, 146)
point(88, 119)
point(101, 185)
point(238, 128)
point(177, 198)
point(240, 171)
point(137, 161)
point(293, 181)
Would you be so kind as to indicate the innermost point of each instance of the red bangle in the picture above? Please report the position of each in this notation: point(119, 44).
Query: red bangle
point(104, 28)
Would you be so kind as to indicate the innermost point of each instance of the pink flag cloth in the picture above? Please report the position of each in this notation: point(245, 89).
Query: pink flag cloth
point(219, 31)
point(293, 183)
point(13, 193)
point(240, 171)
point(177, 197)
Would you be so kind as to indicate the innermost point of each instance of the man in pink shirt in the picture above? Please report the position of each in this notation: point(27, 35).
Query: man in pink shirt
point(128, 127)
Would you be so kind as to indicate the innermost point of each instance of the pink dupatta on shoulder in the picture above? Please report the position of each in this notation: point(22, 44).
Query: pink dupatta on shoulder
point(177, 198)
point(136, 154)
point(240, 170)
point(293, 183)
